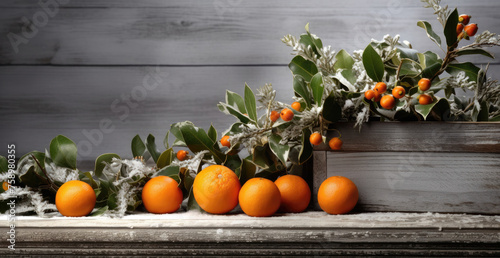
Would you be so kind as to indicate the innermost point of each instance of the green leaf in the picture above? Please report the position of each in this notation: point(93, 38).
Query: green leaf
point(151, 145)
point(469, 68)
point(343, 60)
point(191, 203)
point(250, 103)
point(475, 51)
point(33, 177)
point(483, 113)
point(373, 64)
point(332, 111)
point(430, 33)
point(197, 140)
point(450, 29)
point(430, 62)
point(309, 40)
point(170, 171)
point(236, 101)
point(90, 180)
point(165, 158)
point(63, 152)
point(280, 150)
point(300, 87)
point(425, 110)
point(138, 147)
point(100, 163)
point(410, 69)
point(247, 170)
point(408, 53)
point(165, 141)
point(260, 157)
point(4, 165)
point(317, 88)
point(307, 149)
point(302, 67)
point(100, 211)
point(226, 109)
point(212, 133)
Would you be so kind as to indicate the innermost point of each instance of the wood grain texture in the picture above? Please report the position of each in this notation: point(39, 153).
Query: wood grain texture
point(419, 137)
point(219, 32)
point(420, 181)
point(311, 233)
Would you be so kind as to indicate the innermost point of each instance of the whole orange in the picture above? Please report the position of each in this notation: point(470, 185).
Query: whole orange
point(387, 102)
point(225, 141)
point(274, 116)
point(424, 84)
point(216, 189)
point(316, 139)
point(75, 199)
point(335, 143)
point(337, 195)
point(380, 87)
point(162, 194)
point(425, 99)
point(259, 197)
point(286, 114)
point(295, 193)
point(296, 105)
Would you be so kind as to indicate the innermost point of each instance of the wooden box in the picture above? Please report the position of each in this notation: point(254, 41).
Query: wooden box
point(451, 167)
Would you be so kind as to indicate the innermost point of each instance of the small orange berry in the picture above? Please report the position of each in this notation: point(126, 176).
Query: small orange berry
point(424, 84)
point(316, 139)
point(460, 28)
point(424, 99)
point(286, 114)
point(225, 141)
point(377, 97)
point(387, 102)
point(471, 29)
point(296, 106)
point(5, 185)
point(369, 94)
point(335, 143)
point(464, 18)
point(182, 154)
point(381, 87)
point(274, 116)
point(398, 92)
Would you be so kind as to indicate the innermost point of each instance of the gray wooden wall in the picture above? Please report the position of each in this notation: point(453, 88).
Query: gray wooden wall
point(112, 69)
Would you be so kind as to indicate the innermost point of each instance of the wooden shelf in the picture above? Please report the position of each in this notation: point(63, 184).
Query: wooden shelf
point(311, 233)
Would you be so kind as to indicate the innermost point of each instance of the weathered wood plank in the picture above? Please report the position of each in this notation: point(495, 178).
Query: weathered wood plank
point(420, 181)
point(311, 233)
point(419, 137)
point(212, 32)
point(38, 103)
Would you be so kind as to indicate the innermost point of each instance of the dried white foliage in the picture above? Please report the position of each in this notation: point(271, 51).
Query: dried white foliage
point(441, 12)
point(308, 118)
point(388, 47)
point(193, 163)
point(28, 200)
point(487, 37)
point(461, 81)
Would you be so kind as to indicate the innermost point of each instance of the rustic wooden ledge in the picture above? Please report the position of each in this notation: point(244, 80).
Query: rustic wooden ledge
point(311, 233)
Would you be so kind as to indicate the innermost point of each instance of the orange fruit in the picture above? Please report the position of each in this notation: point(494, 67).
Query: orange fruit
point(5, 185)
point(377, 97)
point(295, 193)
point(464, 18)
point(335, 143)
point(216, 189)
point(460, 27)
point(75, 199)
point(259, 197)
point(274, 116)
point(387, 102)
point(296, 106)
point(225, 141)
point(337, 195)
point(286, 114)
point(316, 139)
point(380, 87)
point(181, 155)
point(424, 84)
point(425, 99)
point(162, 194)
point(471, 29)
point(398, 92)
point(369, 94)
